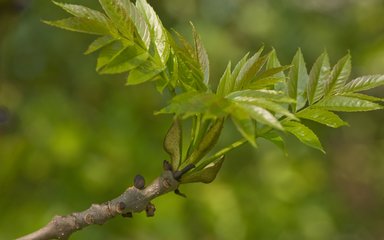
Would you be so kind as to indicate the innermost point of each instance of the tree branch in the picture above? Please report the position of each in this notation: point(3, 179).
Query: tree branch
point(134, 199)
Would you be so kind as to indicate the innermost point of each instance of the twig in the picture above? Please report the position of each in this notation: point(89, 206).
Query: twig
point(131, 201)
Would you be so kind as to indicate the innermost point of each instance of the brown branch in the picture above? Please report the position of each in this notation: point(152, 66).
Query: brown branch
point(134, 199)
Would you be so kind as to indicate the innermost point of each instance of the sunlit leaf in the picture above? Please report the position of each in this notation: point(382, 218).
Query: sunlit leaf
point(318, 76)
point(119, 13)
point(158, 33)
point(99, 43)
point(251, 67)
point(364, 83)
point(363, 97)
point(224, 84)
point(261, 115)
point(276, 139)
point(303, 133)
point(191, 103)
point(128, 59)
point(339, 75)
point(244, 124)
point(143, 73)
point(272, 95)
point(297, 81)
point(83, 25)
point(108, 53)
point(201, 55)
point(347, 104)
point(269, 105)
point(264, 83)
point(322, 116)
point(273, 62)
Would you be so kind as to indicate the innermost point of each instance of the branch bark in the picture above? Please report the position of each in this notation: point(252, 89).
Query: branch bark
point(133, 200)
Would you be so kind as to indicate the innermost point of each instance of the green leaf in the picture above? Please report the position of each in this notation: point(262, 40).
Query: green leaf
point(269, 105)
point(236, 71)
point(272, 95)
point(273, 62)
point(363, 97)
point(339, 76)
point(364, 83)
point(251, 67)
point(224, 86)
point(318, 76)
point(276, 139)
point(82, 11)
point(82, 25)
point(303, 133)
point(207, 142)
point(128, 59)
point(322, 116)
point(158, 33)
point(173, 143)
point(119, 13)
point(192, 103)
point(201, 55)
point(261, 115)
point(141, 25)
point(206, 175)
point(143, 73)
point(347, 104)
point(99, 43)
point(108, 53)
point(244, 124)
point(273, 72)
point(264, 83)
point(297, 81)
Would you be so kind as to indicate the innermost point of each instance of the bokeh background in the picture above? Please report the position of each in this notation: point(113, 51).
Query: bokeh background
point(69, 137)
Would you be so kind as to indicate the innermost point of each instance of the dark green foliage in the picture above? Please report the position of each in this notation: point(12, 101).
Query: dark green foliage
point(257, 94)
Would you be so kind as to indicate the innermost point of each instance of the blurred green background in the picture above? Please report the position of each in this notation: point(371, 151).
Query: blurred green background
point(69, 137)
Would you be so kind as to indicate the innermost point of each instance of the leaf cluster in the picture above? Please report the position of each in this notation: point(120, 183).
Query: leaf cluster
point(262, 97)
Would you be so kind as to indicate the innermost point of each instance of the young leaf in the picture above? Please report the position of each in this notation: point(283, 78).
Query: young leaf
point(158, 33)
point(108, 53)
point(272, 95)
point(269, 105)
point(119, 13)
point(244, 124)
point(339, 75)
point(207, 143)
point(261, 115)
point(318, 77)
point(143, 73)
point(276, 139)
point(347, 104)
point(304, 134)
point(322, 116)
point(264, 83)
point(99, 43)
point(224, 86)
point(273, 62)
point(364, 83)
point(128, 59)
point(191, 103)
point(251, 67)
point(206, 175)
point(297, 81)
point(82, 11)
point(83, 25)
point(201, 55)
point(173, 143)
point(363, 97)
